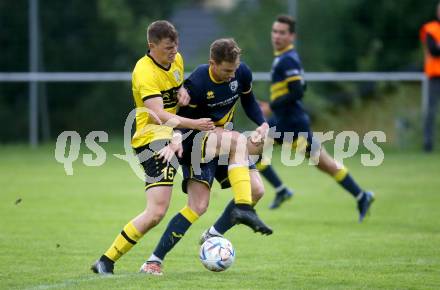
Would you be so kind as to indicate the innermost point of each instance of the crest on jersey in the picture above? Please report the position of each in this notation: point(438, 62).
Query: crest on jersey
point(233, 86)
point(177, 75)
point(210, 95)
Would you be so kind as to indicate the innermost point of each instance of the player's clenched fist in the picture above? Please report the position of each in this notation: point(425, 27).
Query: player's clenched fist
point(259, 135)
point(183, 97)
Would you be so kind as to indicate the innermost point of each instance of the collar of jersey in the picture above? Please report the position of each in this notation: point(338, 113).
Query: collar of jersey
point(212, 77)
point(280, 52)
point(158, 64)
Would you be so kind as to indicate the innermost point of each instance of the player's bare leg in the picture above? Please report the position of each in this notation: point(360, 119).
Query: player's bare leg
point(198, 201)
point(282, 193)
point(158, 199)
point(256, 185)
point(330, 166)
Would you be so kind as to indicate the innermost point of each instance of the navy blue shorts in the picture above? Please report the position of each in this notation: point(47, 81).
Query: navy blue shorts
point(292, 129)
point(193, 163)
point(194, 145)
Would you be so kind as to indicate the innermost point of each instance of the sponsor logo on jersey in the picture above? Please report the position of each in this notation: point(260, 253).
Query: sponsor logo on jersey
point(210, 95)
point(177, 75)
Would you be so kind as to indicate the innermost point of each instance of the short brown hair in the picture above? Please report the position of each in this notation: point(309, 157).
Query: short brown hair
point(224, 49)
point(161, 29)
point(287, 19)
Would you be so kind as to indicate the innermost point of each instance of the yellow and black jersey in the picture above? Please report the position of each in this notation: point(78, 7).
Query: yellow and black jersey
point(150, 79)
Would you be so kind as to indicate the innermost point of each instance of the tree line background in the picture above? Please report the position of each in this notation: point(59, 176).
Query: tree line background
point(337, 35)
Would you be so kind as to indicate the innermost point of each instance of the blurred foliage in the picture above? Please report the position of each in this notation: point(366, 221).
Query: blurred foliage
point(76, 35)
point(250, 24)
point(13, 57)
point(362, 35)
point(337, 35)
point(102, 35)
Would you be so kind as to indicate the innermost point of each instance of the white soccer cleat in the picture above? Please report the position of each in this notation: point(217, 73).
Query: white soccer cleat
point(152, 268)
point(207, 235)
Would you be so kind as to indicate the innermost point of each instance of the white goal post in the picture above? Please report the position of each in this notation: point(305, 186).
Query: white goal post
point(34, 77)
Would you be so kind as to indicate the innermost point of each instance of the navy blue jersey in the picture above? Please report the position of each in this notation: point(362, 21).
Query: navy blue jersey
point(216, 100)
point(286, 69)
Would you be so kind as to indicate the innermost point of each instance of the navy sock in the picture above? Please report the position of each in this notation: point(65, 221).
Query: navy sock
point(271, 176)
point(224, 223)
point(350, 185)
point(176, 228)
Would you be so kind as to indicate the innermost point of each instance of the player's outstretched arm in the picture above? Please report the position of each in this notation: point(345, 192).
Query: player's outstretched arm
point(254, 112)
point(163, 117)
point(251, 108)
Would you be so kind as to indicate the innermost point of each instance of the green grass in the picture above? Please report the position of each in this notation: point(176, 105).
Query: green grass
point(64, 223)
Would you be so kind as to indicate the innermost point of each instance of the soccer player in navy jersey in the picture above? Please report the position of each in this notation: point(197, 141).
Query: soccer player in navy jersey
point(287, 90)
point(215, 89)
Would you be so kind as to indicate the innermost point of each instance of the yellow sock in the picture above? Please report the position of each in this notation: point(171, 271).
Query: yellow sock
point(241, 183)
point(260, 166)
point(123, 242)
point(189, 214)
point(340, 174)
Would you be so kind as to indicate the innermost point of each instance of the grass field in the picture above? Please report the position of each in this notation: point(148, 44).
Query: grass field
point(63, 223)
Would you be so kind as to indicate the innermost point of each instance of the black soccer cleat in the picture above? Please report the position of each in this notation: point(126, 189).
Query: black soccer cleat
point(104, 266)
point(364, 203)
point(245, 214)
point(206, 235)
point(281, 197)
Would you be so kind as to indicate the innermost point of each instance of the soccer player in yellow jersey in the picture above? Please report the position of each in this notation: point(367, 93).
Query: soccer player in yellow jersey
point(157, 90)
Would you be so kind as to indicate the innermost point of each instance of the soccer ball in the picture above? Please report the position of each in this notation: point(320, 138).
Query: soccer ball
point(217, 254)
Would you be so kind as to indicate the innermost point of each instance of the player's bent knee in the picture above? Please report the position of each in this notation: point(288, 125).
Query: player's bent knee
point(149, 219)
point(155, 219)
point(200, 207)
point(198, 196)
point(157, 215)
point(199, 204)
